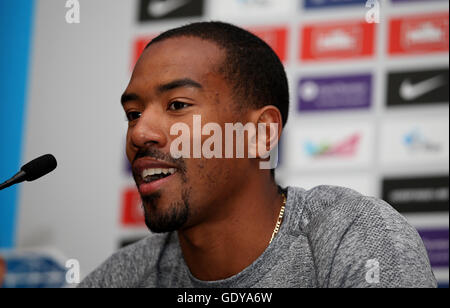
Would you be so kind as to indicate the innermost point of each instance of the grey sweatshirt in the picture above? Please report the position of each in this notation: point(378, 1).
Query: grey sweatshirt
point(331, 237)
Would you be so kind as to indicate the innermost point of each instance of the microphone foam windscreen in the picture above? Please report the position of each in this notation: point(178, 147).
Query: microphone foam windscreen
point(39, 167)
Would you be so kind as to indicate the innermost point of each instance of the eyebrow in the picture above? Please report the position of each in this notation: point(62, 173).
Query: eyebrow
point(179, 83)
point(127, 97)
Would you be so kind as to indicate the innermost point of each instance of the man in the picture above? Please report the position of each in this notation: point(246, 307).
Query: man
point(222, 222)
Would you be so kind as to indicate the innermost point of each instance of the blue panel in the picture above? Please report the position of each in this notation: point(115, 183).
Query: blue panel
point(16, 20)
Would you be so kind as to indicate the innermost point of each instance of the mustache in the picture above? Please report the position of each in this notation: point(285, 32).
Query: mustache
point(155, 154)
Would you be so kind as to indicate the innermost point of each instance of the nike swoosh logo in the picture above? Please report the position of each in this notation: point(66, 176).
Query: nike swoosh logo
point(409, 91)
point(158, 8)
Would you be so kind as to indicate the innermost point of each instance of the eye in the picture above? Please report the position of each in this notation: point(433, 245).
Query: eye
point(178, 105)
point(133, 115)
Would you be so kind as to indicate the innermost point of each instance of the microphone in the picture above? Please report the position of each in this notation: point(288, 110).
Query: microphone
point(32, 171)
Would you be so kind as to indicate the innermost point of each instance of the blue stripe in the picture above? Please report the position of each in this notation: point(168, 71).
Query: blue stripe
point(16, 20)
point(332, 3)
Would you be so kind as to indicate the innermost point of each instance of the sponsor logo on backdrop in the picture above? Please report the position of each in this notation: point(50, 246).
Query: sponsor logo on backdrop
point(418, 87)
point(275, 37)
point(330, 146)
point(345, 148)
point(415, 141)
point(34, 270)
point(232, 9)
point(417, 195)
point(311, 4)
point(335, 93)
point(334, 41)
point(132, 212)
point(419, 34)
point(411, 141)
point(436, 243)
point(150, 10)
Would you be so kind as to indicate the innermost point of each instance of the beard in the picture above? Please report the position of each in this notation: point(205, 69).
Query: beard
point(177, 214)
point(163, 221)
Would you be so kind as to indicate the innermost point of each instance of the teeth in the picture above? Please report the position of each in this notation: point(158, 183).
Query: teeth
point(155, 171)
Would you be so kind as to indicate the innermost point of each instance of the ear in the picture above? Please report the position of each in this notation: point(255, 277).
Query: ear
point(269, 124)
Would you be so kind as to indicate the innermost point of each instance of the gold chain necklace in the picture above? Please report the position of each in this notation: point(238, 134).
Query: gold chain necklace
point(280, 218)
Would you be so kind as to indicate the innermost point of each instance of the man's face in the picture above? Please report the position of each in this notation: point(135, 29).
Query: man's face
point(174, 80)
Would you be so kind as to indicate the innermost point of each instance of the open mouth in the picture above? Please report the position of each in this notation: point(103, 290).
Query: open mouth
point(152, 175)
point(156, 174)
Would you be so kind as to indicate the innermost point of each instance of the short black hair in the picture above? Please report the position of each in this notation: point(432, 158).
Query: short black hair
point(254, 69)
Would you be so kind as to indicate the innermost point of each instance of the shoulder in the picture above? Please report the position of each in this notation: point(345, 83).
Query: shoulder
point(332, 205)
point(348, 231)
point(129, 266)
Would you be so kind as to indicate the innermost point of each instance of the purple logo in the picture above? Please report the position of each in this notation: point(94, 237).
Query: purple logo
point(436, 242)
point(335, 93)
point(327, 3)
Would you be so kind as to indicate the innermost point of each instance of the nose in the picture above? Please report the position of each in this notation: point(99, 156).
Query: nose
point(149, 130)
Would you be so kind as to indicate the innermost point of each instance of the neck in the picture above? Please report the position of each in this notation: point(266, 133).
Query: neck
point(223, 247)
